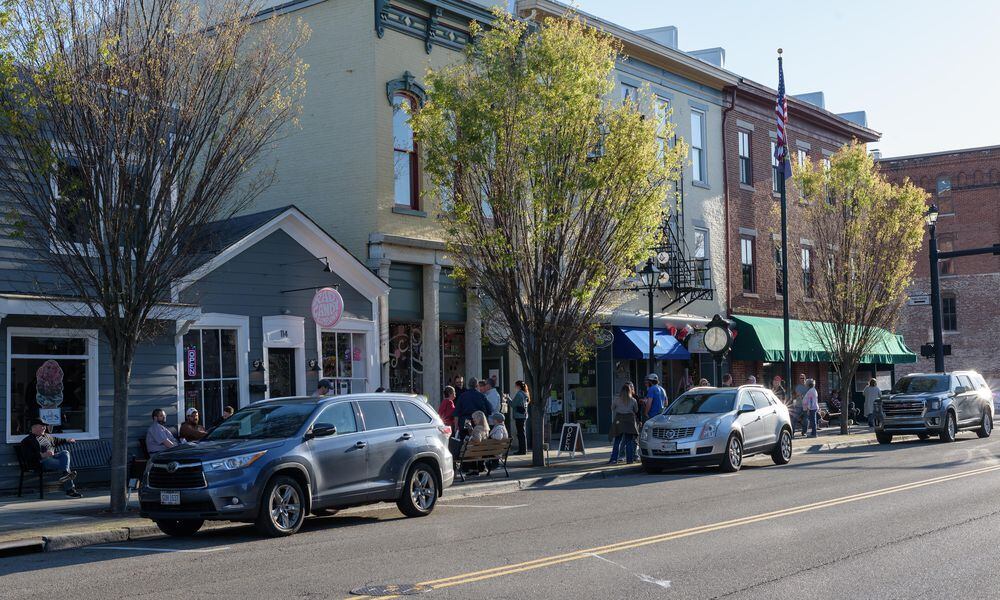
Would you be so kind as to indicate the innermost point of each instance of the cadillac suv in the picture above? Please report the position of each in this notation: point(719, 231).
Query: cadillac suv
point(276, 461)
point(942, 404)
point(717, 426)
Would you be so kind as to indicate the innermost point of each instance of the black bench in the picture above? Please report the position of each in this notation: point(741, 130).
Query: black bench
point(492, 452)
point(85, 455)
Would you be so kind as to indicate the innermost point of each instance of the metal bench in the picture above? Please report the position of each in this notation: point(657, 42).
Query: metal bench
point(85, 455)
point(485, 451)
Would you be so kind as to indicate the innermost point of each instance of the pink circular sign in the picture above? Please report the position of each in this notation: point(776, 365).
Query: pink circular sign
point(327, 307)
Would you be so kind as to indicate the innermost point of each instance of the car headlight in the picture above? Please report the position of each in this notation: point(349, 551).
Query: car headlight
point(644, 434)
point(709, 430)
point(233, 462)
point(934, 404)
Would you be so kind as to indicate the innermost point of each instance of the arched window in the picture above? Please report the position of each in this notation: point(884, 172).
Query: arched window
point(406, 173)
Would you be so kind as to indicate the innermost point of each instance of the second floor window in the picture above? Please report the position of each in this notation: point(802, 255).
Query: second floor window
point(70, 212)
point(746, 167)
point(801, 157)
point(775, 170)
point(946, 243)
point(698, 167)
point(807, 272)
point(661, 110)
point(779, 280)
point(949, 313)
point(406, 175)
point(746, 265)
point(700, 257)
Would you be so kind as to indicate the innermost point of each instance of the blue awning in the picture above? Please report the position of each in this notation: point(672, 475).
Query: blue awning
point(633, 342)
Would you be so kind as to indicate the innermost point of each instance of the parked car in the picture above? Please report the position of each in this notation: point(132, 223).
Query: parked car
point(942, 404)
point(721, 426)
point(276, 461)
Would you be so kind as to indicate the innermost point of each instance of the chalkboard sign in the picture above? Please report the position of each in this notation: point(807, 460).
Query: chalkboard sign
point(571, 440)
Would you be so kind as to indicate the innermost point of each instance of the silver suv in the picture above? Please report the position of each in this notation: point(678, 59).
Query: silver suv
point(926, 404)
point(276, 461)
point(719, 426)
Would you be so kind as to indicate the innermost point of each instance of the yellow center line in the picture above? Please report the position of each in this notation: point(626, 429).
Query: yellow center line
point(548, 561)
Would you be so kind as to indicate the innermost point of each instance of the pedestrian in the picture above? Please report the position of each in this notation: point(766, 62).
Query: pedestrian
point(703, 382)
point(480, 428)
point(227, 411)
point(777, 388)
point(447, 408)
point(488, 389)
point(459, 385)
point(657, 396)
point(810, 407)
point(520, 403)
point(468, 403)
point(727, 380)
point(191, 430)
point(751, 380)
point(641, 404)
point(624, 425)
point(158, 437)
point(872, 393)
point(40, 450)
point(323, 388)
point(498, 429)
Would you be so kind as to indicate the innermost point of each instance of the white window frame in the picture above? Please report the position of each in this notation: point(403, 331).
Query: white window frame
point(241, 324)
point(801, 156)
point(701, 177)
point(353, 325)
point(744, 154)
point(775, 168)
point(93, 370)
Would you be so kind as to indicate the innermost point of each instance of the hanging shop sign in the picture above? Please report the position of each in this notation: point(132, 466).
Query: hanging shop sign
point(327, 307)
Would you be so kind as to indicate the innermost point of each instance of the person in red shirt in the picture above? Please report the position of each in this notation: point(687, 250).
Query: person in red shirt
point(447, 408)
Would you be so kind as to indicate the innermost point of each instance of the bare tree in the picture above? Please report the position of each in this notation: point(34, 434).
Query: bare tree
point(869, 232)
point(552, 192)
point(128, 126)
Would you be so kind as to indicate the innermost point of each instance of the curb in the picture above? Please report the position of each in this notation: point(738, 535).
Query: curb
point(124, 534)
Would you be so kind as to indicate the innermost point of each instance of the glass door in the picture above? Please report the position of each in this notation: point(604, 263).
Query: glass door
point(281, 372)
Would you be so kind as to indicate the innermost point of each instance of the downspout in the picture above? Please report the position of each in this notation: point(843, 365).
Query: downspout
point(725, 197)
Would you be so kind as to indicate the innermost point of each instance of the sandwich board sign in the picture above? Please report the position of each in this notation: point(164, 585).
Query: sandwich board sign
point(571, 440)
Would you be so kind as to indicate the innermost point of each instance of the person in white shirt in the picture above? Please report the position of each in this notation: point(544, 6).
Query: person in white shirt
point(491, 393)
point(499, 430)
point(872, 394)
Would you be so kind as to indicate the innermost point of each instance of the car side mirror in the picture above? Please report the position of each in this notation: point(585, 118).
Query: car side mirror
point(321, 431)
point(960, 390)
point(746, 408)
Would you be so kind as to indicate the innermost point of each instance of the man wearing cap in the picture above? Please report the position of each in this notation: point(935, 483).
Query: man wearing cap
point(656, 396)
point(190, 429)
point(323, 388)
point(39, 450)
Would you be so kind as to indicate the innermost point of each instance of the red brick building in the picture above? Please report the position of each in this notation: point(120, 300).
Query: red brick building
point(965, 185)
point(753, 212)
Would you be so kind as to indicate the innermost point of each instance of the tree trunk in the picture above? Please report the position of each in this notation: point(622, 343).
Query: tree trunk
point(119, 425)
point(537, 426)
point(846, 391)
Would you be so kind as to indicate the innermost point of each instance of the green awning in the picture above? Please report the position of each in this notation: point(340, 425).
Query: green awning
point(762, 339)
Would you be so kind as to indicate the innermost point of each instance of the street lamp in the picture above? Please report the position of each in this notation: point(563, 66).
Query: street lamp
point(931, 217)
point(649, 275)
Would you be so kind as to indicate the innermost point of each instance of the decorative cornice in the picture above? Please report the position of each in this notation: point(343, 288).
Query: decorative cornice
point(428, 25)
point(407, 83)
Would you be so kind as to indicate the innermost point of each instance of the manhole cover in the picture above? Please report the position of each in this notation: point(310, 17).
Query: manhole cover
point(392, 589)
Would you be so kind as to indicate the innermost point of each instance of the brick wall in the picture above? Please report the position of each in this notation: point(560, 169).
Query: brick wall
point(970, 218)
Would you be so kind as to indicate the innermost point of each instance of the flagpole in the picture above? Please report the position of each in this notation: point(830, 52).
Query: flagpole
point(784, 168)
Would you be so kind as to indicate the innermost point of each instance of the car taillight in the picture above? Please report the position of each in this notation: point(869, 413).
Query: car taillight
point(445, 430)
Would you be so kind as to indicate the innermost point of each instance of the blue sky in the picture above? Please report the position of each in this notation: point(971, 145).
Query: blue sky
point(925, 72)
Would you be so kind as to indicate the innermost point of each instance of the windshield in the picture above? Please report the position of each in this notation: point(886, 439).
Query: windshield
point(263, 422)
point(919, 384)
point(702, 403)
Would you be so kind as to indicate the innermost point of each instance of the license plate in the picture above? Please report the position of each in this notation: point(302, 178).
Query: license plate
point(668, 446)
point(171, 498)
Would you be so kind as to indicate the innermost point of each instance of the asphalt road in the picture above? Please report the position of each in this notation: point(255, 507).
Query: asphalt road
point(911, 520)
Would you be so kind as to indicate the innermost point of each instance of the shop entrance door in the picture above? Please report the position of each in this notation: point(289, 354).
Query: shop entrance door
point(281, 372)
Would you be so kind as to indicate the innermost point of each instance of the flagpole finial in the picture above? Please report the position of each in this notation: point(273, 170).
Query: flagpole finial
point(779, 51)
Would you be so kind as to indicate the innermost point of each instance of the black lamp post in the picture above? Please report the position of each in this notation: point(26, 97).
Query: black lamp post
point(931, 218)
point(650, 277)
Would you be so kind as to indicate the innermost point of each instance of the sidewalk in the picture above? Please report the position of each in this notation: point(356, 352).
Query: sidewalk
point(31, 525)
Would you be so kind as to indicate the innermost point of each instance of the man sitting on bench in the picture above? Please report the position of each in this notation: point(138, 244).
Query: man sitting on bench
point(40, 450)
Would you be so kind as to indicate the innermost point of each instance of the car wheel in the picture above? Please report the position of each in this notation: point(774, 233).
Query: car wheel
point(282, 507)
point(923, 436)
point(986, 428)
point(782, 453)
point(732, 458)
point(950, 428)
point(883, 438)
point(420, 492)
point(179, 527)
point(652, 469)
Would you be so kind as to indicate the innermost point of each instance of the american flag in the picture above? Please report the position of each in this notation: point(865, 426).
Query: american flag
point(781, 114)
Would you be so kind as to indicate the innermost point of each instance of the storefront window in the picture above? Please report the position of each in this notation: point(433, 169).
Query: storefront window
point(406, 366)
point(211, 372)
point(452, 353)
point(581, 393)
point(343, 361)
point(52, 378)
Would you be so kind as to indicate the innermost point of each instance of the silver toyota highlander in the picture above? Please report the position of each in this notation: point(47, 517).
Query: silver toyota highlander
point(717, 426)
